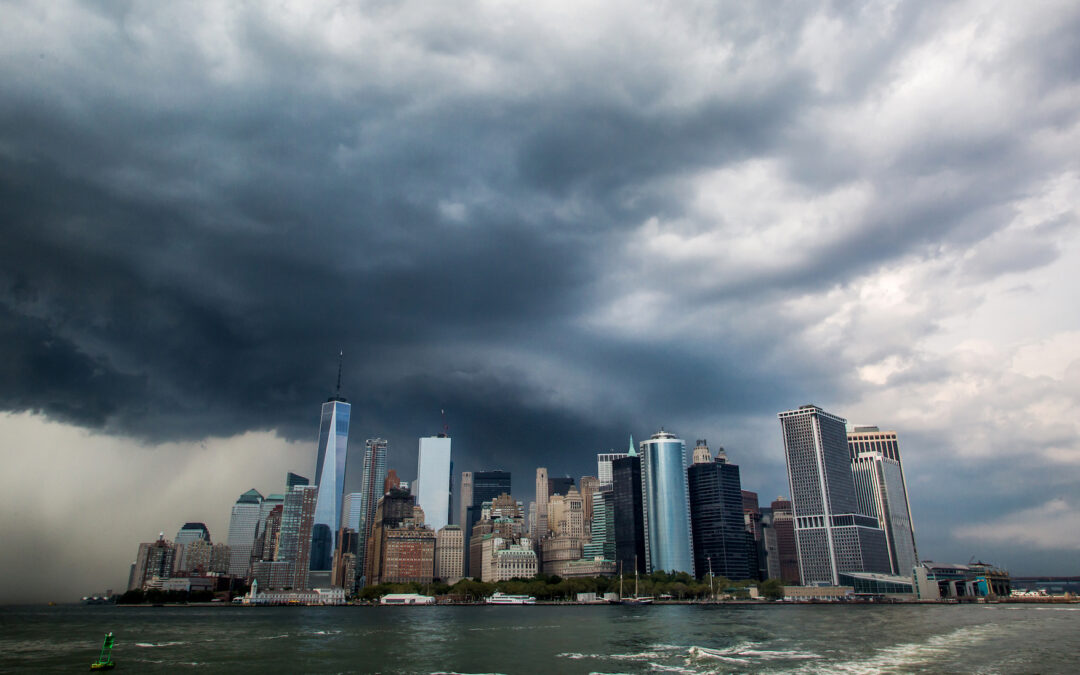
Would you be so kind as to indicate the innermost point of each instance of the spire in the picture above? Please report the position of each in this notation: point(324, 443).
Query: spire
point(632, 452)
point(340, 358)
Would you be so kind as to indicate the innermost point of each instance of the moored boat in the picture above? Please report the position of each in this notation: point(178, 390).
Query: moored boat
point(500, 598)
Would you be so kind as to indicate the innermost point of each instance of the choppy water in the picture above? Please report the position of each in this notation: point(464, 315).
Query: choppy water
point(550, 639)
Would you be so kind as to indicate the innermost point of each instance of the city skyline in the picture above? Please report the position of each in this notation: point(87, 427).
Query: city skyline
point(562, 225)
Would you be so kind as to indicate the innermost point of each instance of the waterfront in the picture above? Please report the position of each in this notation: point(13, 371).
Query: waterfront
point(545, 639)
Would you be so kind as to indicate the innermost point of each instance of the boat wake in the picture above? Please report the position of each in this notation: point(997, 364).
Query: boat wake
point(159, 644)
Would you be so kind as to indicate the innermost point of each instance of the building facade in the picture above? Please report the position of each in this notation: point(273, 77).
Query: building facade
point(372, 488)
point(294, 536)
point(450, 554)
point(243, 522)
point(831, 534)
point(666, 504)
point(333, 449)
point(881, 491)
point(783, 525)
point(629, 513)
point(487, 485)
point(433, 480)
point(716, 516)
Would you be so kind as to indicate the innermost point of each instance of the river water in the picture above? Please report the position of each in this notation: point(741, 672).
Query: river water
point(686, 639)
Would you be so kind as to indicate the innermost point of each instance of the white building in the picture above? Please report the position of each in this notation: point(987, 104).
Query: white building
point(432, 484)
point(882, 492)
point(450, 554)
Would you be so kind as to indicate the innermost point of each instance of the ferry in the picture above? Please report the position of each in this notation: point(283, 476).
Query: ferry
point(504, 599)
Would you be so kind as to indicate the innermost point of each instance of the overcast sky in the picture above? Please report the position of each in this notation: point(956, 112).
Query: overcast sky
point(561, 222)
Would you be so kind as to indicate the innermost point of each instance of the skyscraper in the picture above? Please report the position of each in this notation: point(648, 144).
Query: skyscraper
point(787, 552)
point(372, 488)
point(293, 479)
point(666, 504)
point(294, 535)
point(881, 492)
point(716, 516)
point(329, 480)
point(243, 523)
point(559, 485)
point(603, 467)
point(464, 497)
point(602, 535)
point(449, 554)
point(831, 535)
point(432, 485)
point(487, 485)
point(629, 512)
point(543, 492)
point(191, 532)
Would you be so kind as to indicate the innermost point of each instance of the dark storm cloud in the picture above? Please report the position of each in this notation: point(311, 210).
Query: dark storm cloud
point(200, 207)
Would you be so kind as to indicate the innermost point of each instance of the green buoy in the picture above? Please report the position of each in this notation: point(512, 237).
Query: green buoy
point(105, 661)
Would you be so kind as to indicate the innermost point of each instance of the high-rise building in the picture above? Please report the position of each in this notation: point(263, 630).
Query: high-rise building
point(464, 497)
point(487, 485)
point(559, 485)
point(752, 516)
point(153, 563)
point(243, 523)
point(192, 532)
point(666, 504)
point(588, 489)
point(450, 554)
point(294, 536)
point(787, 553)
point(542, 495)
point(603, 466)
point(602, 535)
point(330, 480)
point(629, 512)
point(269, 503)
point(881, 492)
point(433, 480)
point(502, 517)
point(393, 509)
point(373, 486)
point(716, 516)
point(702, 454)
point(831, 535)
point(294, 479)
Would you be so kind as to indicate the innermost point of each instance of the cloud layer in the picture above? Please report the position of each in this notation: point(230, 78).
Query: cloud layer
point(561, 223)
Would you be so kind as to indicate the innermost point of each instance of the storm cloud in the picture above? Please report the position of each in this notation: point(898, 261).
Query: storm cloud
point(561, 223)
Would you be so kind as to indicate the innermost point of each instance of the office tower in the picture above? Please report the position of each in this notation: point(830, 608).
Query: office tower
point(629, 512)
point(602, 535)
point(502, 517)
point(702, 455)
point(351, 507)
point(294, 537)
point(881, 491)
point(432, 485)
point(542, 495)
point(393, 509)
point(752, 519)
point(603, 467)
point(192, 532)
point(219, 559)
point(268, 505)
point(566, 514)
point(193, 557)
point(294, 479)
point(716, 517)
point(666, 504)
point(153, 563)
point(407, 554)
point(272, 532)
point(464, 497)
point(329, 479)
point(392, 481)
point(588, 489)
point(831, 535)
point(487, 485)
point(450, 554)
point(242, 525)
point(787, 552)
point(373, 485)
point(772, 550)
point(560, 485)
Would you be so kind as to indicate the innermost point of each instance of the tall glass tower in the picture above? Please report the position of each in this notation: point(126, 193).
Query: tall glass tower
point(329, 480)
point(666, 504)
point(432, 488)
point(881, 492)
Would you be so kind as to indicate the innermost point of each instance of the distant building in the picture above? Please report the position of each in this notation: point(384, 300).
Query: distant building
point(603, 466)
point(408, 554)
point(666, 503)
point(559, 485)
point(433, 480)
point(602, 533)
point(294, 479)
point(153, 563)
point(242, 525)
point(716, 514)
point(393, 510)
point(881, 492)
point(486, 486)
point(450, 554)
point(372, 487)
point(193, 557)
point(831, 534)
point(502, 559)
point(542, 497)
point(588, 489)
point(558, 551)
point(502, 517)
point(752, 517)
point(294, 537)
point(629, 513)
point(332, 451)
point(935, 581)
point(702, 455)
point(787, 554)
point(192, 532)
point(464, 497)
point(219, 559)
point(273, 574)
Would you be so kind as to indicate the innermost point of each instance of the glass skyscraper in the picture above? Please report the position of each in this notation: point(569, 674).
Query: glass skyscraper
point(243, 523)
point(371, 490)
point(432, 485)
point(329, 480)
point(628, 512)
point(881, 491)
point(666, 504)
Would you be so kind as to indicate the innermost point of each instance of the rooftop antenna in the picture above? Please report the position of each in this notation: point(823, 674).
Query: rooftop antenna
point(340, 358)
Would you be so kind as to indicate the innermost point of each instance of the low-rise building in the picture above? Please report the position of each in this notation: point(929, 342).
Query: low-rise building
point(808, 593)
